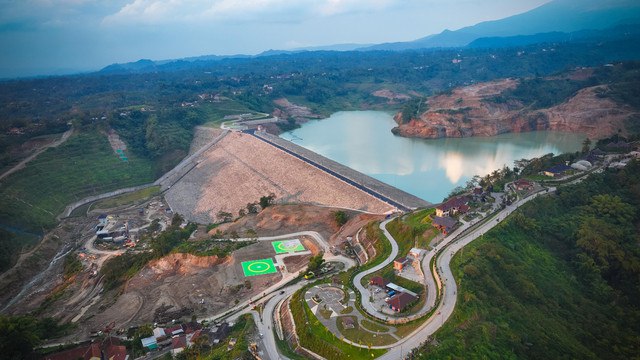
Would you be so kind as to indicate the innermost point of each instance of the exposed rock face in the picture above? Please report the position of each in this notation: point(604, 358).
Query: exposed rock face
point(466, 112)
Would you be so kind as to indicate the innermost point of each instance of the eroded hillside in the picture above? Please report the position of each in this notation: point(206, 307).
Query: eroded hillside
point(491, 108)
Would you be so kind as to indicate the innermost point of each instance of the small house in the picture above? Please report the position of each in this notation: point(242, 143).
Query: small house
point(453, 206)
point(400, 263)
point(378, 281)
point(178, 344)
point(523, 184)
point(445, 224)
point(149, 343)
point(109, 349)
point(401, 301)
point(159, 333)
point(417, 253)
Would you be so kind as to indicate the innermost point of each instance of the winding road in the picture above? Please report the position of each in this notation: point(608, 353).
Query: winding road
point(443, 281)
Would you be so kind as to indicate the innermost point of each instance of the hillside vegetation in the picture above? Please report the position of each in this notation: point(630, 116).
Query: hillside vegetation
point(558, 279)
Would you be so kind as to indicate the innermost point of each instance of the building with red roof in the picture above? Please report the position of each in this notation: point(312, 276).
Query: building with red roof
point(453, 206)
point(401, 301)
point(378, 281)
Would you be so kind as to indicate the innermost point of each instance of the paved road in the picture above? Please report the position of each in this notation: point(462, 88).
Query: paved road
point(357, 280)
point(449, 290)
point(277, 293)
point(288, 277)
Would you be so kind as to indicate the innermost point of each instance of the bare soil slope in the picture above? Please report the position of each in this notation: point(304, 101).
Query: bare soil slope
point(469, 111)
point(240, 169)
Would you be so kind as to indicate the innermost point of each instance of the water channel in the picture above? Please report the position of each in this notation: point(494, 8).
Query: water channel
point(429, 169)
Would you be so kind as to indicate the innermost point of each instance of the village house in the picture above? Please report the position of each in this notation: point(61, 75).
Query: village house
point(523, 184)
point(417, 253)
point(109, 349)
point(400, 301)
point(178, 344)
point(400, 263)
point(445, 224)
point(453, 206)
point(378, 281)
point(150, 343)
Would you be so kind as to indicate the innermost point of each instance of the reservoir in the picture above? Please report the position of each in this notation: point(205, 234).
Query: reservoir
point(427, 168)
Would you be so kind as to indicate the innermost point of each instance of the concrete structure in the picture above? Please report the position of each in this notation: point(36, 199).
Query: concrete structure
point(417, 253)
point(393, 196)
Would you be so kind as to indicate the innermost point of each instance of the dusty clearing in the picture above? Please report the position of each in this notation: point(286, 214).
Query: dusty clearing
point(181, 285)
point(240, 169)
point(286, 219)
point(466, 112)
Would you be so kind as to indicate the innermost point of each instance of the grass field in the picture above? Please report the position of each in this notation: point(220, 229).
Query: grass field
point(85, 165)
point(259, 267)
point(127, 199)
point(364, 337)
point(317, 338)
point(216, 112)
point(287, 246)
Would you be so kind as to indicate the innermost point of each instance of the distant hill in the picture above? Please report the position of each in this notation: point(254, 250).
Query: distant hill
point(619, 32)
point(556, 16)
point(556, 21)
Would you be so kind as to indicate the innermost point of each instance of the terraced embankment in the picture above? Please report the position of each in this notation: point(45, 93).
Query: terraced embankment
point(241, 168)
point(384, 192)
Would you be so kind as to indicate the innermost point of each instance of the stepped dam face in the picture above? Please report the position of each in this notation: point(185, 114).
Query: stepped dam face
point(244, 166)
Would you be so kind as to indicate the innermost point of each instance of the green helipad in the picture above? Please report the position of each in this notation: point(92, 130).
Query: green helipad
point(288, 246)
point(259, 267)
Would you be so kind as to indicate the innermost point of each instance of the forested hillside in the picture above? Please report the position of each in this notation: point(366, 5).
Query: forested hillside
point(560, 278)
point(154, 110)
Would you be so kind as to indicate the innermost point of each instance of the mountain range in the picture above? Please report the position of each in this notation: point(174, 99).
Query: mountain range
point(555, 21)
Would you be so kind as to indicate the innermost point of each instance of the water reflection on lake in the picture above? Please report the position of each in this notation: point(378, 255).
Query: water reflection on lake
point(428, 169)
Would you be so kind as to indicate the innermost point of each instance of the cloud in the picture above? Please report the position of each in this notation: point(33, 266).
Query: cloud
point(162, 11)
point(54, 13)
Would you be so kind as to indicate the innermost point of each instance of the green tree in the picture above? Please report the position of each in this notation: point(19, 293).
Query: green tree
point(340, 217)
point(252, 208)
point(267, 201)
point(224, 216)
point(315, 262)
point(586, 145)
point(413, 108)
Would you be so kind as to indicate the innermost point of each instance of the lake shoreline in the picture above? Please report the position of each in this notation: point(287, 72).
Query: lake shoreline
point(427, 168)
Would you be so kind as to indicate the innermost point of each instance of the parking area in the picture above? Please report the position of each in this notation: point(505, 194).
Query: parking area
point(379, 296)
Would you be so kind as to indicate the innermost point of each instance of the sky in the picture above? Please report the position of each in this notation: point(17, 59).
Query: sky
point(41, 37)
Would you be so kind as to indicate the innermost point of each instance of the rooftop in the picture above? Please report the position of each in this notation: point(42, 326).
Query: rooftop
point(399, 288)
point(558, 169)
point(445, 221)
point(453, 203)
point(401, 300)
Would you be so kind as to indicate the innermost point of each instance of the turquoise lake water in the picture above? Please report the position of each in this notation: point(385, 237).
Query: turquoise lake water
point(429, 169)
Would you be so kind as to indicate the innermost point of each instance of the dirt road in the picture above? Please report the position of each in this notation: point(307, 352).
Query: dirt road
point(24, 162)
